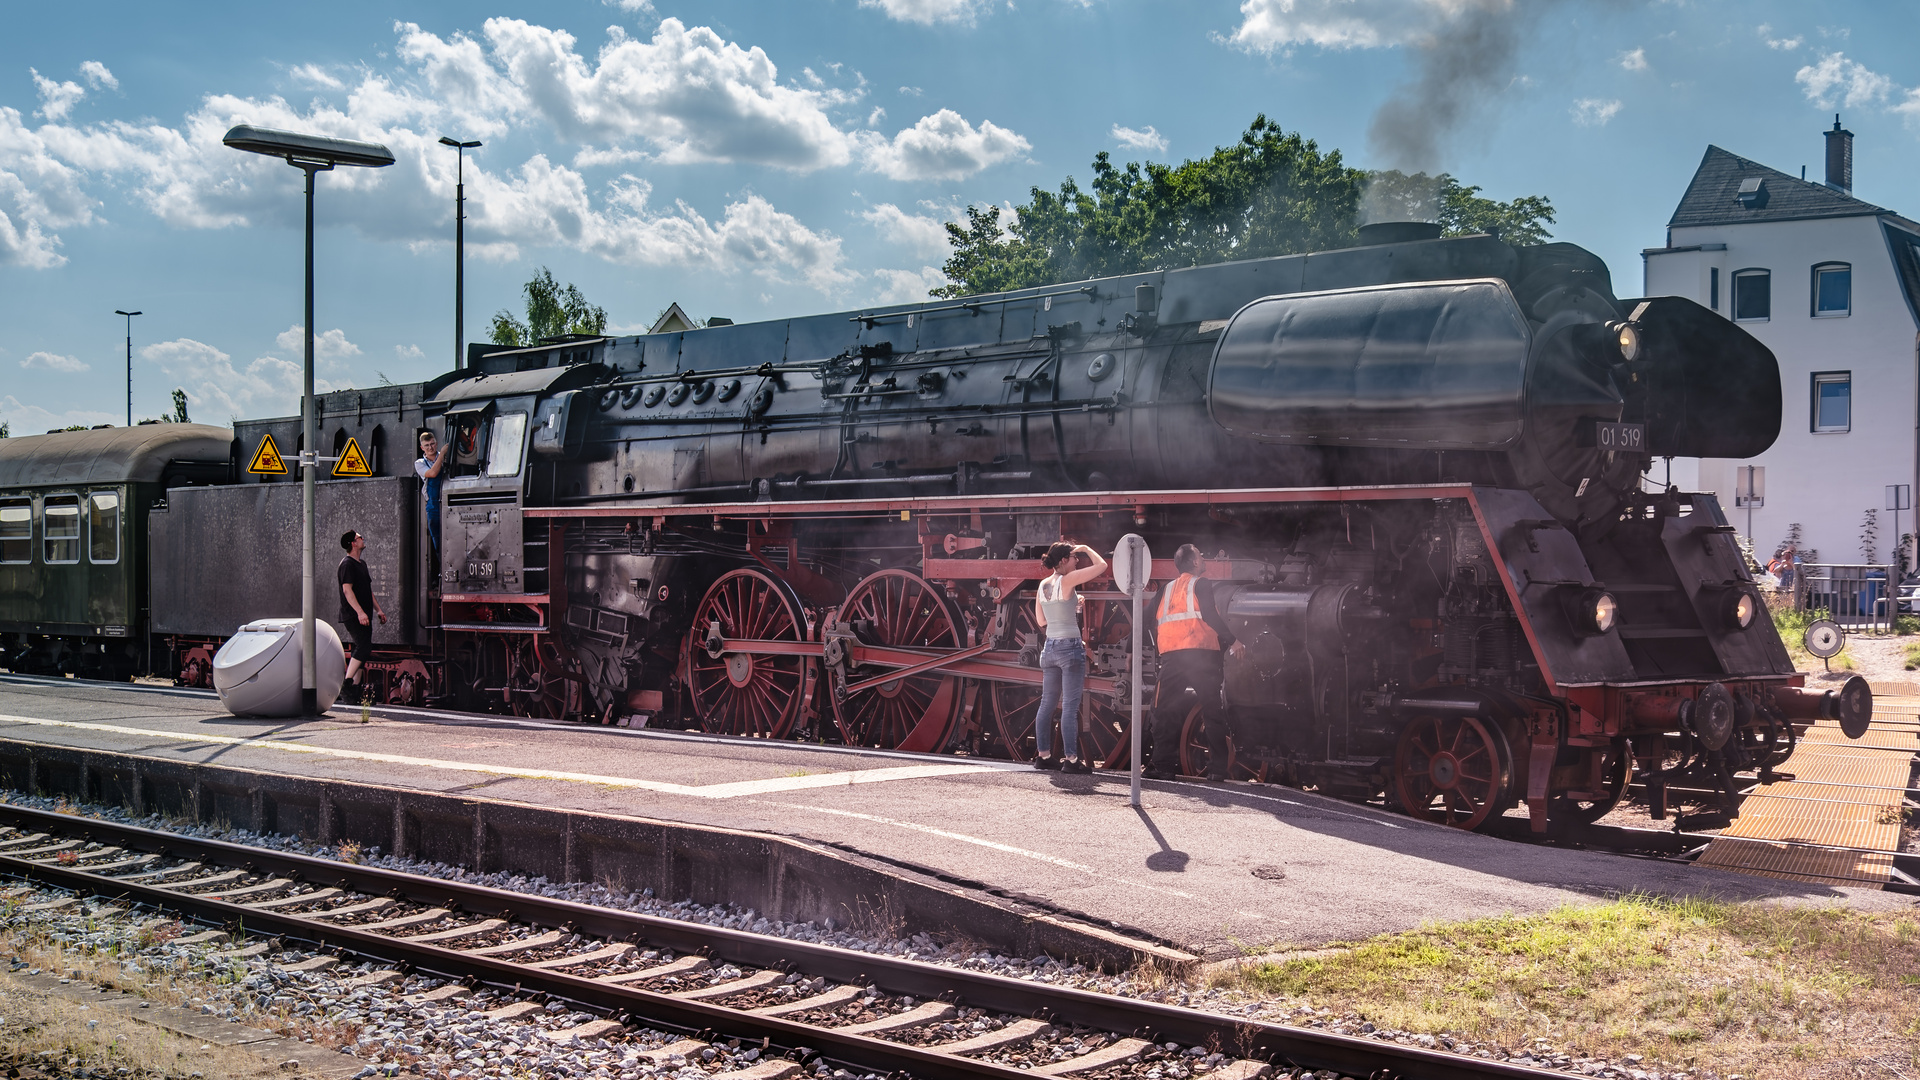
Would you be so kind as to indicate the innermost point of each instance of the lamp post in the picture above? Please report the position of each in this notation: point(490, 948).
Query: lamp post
point(129, 315)
point(311, 154)
point(459, 248)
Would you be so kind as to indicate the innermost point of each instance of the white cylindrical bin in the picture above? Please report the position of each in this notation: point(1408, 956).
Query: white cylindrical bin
point(257, 672)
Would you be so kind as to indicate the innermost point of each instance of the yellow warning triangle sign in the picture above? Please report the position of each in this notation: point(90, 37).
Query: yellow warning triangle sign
point(267, 458)
point(352, 462)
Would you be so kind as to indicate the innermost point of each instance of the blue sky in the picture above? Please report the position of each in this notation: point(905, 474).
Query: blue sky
point(758, 160)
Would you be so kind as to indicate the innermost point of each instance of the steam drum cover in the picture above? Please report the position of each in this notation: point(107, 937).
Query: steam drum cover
point(257, 672)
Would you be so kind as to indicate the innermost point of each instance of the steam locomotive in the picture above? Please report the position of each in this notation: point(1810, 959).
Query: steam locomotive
point(1416, 465)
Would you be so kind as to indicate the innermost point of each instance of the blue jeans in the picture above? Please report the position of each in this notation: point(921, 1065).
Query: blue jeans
point(1063, 677)
point(433, 526)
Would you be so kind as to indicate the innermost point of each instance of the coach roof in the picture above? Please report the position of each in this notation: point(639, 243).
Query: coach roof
point(108, 455)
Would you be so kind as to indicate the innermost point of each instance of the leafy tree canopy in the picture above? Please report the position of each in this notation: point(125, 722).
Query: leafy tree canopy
point(1272, 193)
point(552, 312)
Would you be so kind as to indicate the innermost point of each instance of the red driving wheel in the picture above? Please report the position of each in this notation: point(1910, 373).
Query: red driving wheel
point(902, 609)
point(738, 693)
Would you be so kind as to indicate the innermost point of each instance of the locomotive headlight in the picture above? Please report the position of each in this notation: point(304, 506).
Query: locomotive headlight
point(1627, 336)
point(1592, 610)
point(1737, 608)
point(1601, 611)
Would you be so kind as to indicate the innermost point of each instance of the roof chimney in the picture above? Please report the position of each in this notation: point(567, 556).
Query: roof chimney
point(1840, 158)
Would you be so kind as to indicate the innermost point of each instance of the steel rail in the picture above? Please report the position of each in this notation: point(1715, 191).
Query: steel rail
point(1247, 1038)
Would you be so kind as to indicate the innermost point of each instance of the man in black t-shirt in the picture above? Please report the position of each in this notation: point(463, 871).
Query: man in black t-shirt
point(357, 609)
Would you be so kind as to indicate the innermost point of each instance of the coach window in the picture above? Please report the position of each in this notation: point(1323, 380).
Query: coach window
point(60, 528)
point(103, 527)
point(1752, 295)
point(1832, 290)
point(377, 450)
point(16, 531)
point(509, 436)
point(1832, 401)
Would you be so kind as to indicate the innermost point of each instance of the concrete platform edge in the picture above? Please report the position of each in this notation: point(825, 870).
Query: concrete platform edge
point(776, 876)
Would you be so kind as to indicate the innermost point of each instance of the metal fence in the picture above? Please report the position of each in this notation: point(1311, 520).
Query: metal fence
point(1859, 596)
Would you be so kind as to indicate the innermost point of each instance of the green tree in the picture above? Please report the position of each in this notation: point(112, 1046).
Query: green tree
point(552, 312)
point(1272, 193)
point(179, 406)
point(5, 431)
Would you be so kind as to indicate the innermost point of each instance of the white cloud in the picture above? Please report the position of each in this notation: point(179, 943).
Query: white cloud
point(269, 386)
point(1269, 25)
point(57, 99)
point(943, 146)
point(588, 157)
point(908, 286)
point(96, 73)
point(1145, 139)
point(26, 419)
point(928, 12)
point(1836, 80)
point(919, 234)
point(1634, 60)
point(686, 94)
point(911, 91)
point(632, 7)
point(1909, 109)
point(1786, 44)
point(46, 361)
point(315, 76)
point(694, 95)
point(1595, 112)
point(327, 345)
point(408, 352)
point(38, 195)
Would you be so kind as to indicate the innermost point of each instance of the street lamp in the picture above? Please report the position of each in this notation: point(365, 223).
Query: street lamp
point(129, 315)
point(459, 249)
point(311, 154)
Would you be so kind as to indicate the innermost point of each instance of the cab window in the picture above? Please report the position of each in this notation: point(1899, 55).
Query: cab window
point(103, 527)
point(509, 438)
point(16, 531)
point(60, 528)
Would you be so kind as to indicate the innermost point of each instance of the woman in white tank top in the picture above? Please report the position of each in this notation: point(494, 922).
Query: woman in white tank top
point(1063, 660)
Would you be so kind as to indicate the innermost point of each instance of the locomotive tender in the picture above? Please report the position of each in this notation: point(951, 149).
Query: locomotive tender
point(1418, 462)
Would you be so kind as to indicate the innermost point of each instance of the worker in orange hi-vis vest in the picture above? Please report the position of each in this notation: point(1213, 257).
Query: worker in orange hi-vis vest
point(1189, 635)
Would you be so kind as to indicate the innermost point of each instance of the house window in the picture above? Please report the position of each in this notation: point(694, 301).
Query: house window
point(1832, 290)
point(16, 531)
point(60, 528)
point(103, 527)
point(1713, 287)
point(1832, 401)
point(1752, 295)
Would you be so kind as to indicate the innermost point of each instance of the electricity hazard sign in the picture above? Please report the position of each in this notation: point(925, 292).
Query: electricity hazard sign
point(267, 460)
point(352, 462)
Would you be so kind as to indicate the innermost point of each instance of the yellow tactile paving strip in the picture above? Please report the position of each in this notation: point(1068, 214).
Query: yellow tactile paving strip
point(1846, 797)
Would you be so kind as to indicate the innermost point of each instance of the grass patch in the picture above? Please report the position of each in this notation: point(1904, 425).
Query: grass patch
point(1748, 989)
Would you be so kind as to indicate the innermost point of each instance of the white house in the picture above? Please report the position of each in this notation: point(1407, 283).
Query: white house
point(1832, 285)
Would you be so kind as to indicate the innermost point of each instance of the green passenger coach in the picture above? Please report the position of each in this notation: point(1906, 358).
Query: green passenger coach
point(73, 528)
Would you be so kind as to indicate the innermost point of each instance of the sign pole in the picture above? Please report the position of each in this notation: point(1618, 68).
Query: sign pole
point(1139, 591)
point(1132, 566)
point(309, 465)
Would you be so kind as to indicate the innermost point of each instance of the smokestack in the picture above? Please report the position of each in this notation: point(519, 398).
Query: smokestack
point(1840, 158)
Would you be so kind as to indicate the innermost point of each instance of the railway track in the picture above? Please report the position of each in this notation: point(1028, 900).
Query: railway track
point(801, 1002)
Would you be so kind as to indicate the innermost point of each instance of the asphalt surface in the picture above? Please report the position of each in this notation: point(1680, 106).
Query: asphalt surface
point(1213, 868)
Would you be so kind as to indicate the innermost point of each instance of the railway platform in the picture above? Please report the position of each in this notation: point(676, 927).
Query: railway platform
point(1211, 869)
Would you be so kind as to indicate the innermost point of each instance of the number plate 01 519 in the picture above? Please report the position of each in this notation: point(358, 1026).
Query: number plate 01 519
point(1629, 437)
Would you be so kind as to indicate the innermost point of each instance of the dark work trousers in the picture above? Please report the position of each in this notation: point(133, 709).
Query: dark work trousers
point(1188, 677)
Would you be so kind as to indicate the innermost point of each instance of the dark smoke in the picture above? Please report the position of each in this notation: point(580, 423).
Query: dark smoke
point(1462, 65)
